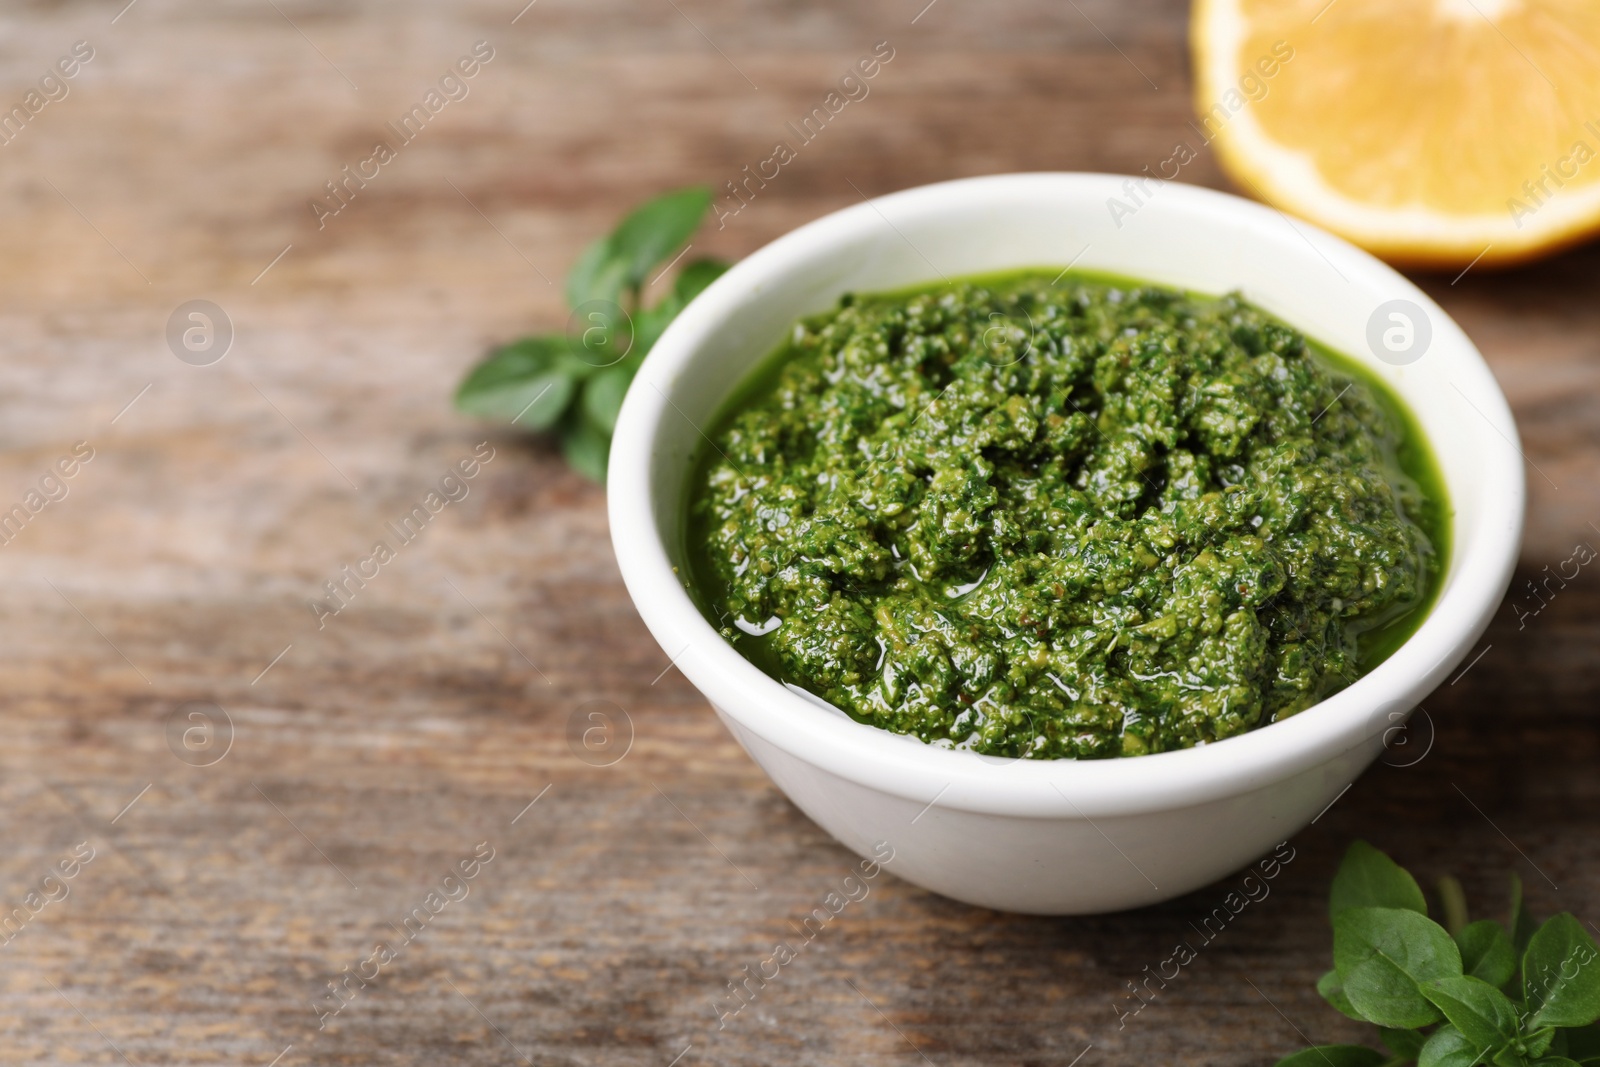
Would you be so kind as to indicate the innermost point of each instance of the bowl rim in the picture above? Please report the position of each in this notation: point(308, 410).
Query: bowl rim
point(901, 766)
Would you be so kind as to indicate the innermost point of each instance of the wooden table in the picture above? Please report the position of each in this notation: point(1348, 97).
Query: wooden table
point(366, 759)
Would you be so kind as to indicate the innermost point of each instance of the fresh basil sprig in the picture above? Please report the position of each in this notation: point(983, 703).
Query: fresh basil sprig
point(1478, 995)
point(573, 384)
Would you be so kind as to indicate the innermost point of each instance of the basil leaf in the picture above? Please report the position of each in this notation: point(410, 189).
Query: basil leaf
point(695, 277)
point(1453, 904)
point(655, 229)
point(1332, 991)
point(586, 449)
point(1539, 1042)
point(533, 355)
point(1483, 1014)
point(1449, 1047)
point(1560, 979)
point(1383, 955)
point(518, 360)
point(1554, 1061)
point(1335, 1056)
point(1486, 952)
point(598, 274)
point(539, 403)
point(534, 382)
point(602, 396)
point(648, 326)
point(1523, 925)
point(1369, 879)
point(530, 382)
point(1407, 1043)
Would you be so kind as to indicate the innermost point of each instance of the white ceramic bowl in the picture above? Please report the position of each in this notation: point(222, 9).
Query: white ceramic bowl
point(1060, 837)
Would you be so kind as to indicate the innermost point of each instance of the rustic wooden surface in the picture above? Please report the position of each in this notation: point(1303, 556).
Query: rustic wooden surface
point(380, 750)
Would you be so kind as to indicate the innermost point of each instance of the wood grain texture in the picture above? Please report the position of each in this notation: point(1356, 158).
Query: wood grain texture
point(381, 749)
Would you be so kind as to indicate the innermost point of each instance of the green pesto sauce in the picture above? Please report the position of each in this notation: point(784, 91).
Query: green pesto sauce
point(1064, 516)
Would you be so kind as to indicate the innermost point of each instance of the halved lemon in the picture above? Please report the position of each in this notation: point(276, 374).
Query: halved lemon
point(1431, 132)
